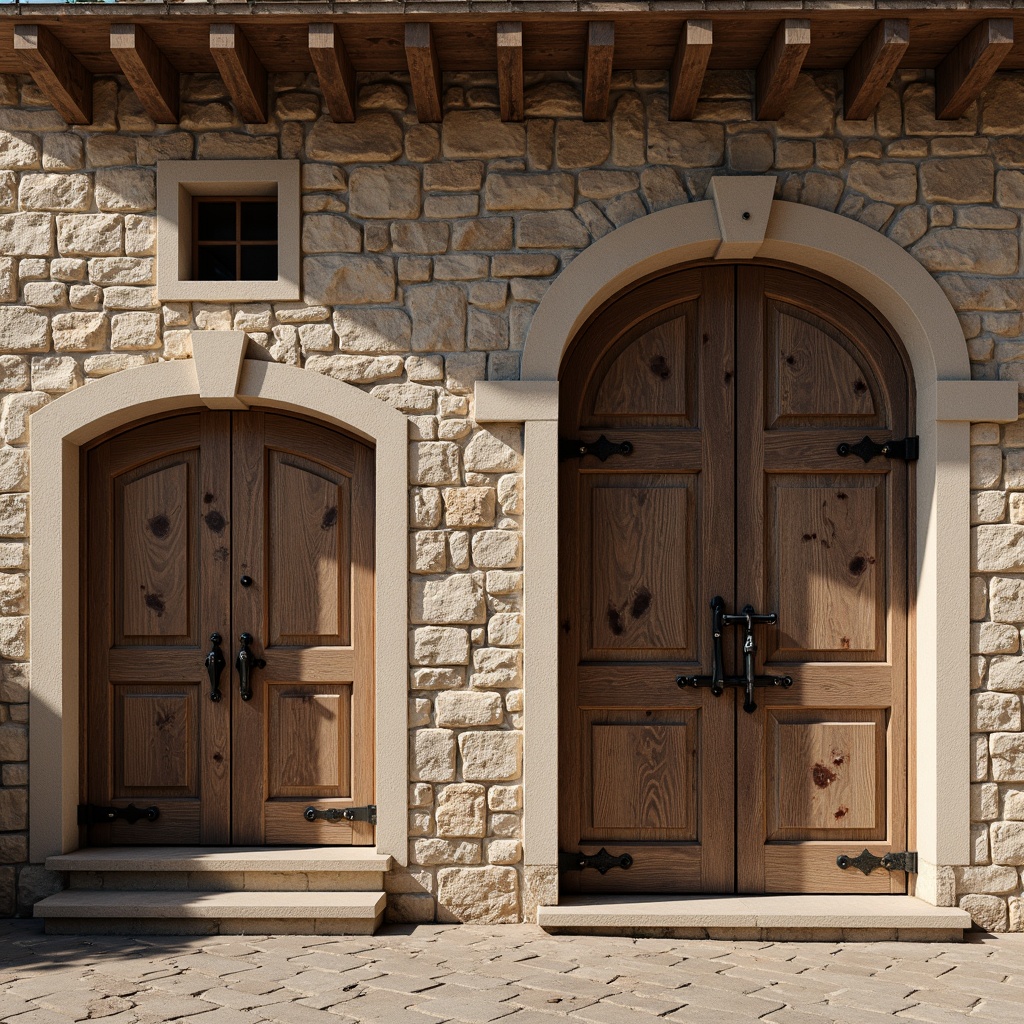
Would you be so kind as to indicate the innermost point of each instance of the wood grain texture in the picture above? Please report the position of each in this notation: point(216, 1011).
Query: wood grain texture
point(148, 71)
point(510, 70)
point(310, 730)
point(424, 71)
point(869, 72)
point(61, 77)
point(780, 67)
point(243, 74)
point(963, 75)
point(156, 734)
point(334, 70)
point(688, 68)
point(597, 72)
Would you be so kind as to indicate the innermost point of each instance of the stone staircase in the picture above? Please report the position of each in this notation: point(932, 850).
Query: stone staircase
point(186, 890)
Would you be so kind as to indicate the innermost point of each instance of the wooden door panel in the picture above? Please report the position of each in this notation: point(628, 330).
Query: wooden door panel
point(309, 741)
point(156, 753)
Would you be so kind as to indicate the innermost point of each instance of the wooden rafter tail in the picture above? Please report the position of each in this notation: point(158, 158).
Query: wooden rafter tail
point(424, 71)
point(962, 76)
point(148, 71)
point(244, 76)
point(597, 76)
point(335, 71)
point(688, 68)
point(871, 68)
point(60, 76)
point(510, 70)
point(780, 67)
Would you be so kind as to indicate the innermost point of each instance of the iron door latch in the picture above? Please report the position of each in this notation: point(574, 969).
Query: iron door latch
point(907, 450)
point(368, 814)
point(91, 814)
point(602, 448)
point(603, 861)
point(866, 862)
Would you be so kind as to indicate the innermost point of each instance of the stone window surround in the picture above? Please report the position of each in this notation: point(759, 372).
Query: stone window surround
point(177, 181)
point(227, 372)
point(947, 402)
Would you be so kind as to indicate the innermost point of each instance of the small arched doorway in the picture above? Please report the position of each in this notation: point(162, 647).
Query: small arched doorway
point(733, 386)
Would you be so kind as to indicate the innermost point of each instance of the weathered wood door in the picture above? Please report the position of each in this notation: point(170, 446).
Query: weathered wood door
point(734, 386)
point(229, 523)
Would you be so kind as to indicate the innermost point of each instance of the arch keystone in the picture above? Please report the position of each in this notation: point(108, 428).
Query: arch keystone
point(742, 206)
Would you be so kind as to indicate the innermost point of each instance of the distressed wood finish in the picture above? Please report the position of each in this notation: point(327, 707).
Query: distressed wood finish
point(424, 71)
point(647, 542)
point(510, 70)
point(244, 76)
point(823, 542)
point(961, 77)
point(304, 533)
point(148, 71)
point(868, 74)
point(780, 67)
point(334, 70)
point(56, 70)
point(688, 68)
point(597, 73)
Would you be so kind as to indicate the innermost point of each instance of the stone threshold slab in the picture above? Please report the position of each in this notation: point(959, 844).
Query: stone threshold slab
point(774, 912)
point(78, 903)
point(222, 858)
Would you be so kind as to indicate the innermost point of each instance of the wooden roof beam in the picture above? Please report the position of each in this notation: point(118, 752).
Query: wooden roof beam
point(244, 76)
point(688, 68)
point(424, 71)
point(597, 74)
point(334, 69)
point(58, 73)
point(510, 70)
point(780, 67)
point(148, 71)
point(962, 76)
point(871, 68)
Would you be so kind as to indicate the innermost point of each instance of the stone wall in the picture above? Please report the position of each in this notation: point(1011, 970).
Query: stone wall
point(427, 249)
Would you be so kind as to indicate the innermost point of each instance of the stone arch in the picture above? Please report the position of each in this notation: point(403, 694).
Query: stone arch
point(220, 376)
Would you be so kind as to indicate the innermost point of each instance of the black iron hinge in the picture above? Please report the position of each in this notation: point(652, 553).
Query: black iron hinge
point(367, 814)
point(91, 814)
point(602, 448)
point(907, 450)
point(603, 861)
point(866, 862)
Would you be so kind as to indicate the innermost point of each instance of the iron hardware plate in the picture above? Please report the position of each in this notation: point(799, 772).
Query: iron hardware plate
point(602, 448)
point(603, 861)
point(91, 814)
point(246, 663)
point(215, 663)
point(368, 814)
point(907, 450)
point(866, 861)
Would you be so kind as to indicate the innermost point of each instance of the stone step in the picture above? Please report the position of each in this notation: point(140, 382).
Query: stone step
point(79, 911)
point(808, 918)
point(225, 869)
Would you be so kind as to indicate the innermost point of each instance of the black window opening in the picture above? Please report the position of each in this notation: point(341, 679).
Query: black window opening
point(234, 238)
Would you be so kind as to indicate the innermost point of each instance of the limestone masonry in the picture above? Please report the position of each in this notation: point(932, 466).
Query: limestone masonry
point(425, 251)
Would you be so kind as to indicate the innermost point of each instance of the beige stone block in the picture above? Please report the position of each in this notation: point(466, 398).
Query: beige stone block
point(14, 742)
point(422, 143)
point(13, 809)
point(498, 450)
point(439, 645)
point(426, 369)
point(45, 294)
point(461, 811)
point(406, 397)
point(1006, 751)
point(127, 270)
point(129, 297)
point(469, 506)
point(125, 190)
point(323, 178)
point(982, 293)
point(484, 895)
point(1007, 847)
point(329, 232)
point(57, 192)
point(967, 250)
point(107, 363)
point(1006, 596)
point(886, 182)
point(494, 756)
point(986, 467)
point(582, 143)
point(13, 373)
point(504, 825)
point(434, 462)
point(497, 668)
point(432, 755)
point(19, 151)
point(453, 600)
point(429, 852)
point(23, 330)
point(1013, 804)
point(993, 878)
point(505, 629)
point(465, 176)
point(487, 234)
point(998, 548)
point(460, 267)
point(553, 99)
point(133, 331)
point(994, 638)
point(438, 318)
point(348, 280)
point(426, 238)
point(505, 798)
point(951, 180)
point(385, 192)
point(500, 581)
point(984, 801)
point(449, 207)
point(682, 143)
point(995, 712)
point(628, 131)
point(139, 235)
point(437, 678)
point(373, 330)
point(26, 234)
point(56, 374)
point(355, 369)
point(14, 419)
point(919, 114)
point(66, 270)
point(372, 137)
point(301, 312)
point(524, 265)
point(503, 851)
point(979, 598)
point(482, 134)
point(461, 709)
point(13, 470)
point(13, 601)
point(424, 507)
point(13, 629)
point(12, 556)
point(557, 229)
point(497, 549)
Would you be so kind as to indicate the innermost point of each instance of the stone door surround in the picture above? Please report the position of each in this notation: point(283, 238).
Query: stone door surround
point(226, 372)
point(741, 220)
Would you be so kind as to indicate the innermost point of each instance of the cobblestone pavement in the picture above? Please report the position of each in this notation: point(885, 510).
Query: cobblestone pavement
point(512, 974)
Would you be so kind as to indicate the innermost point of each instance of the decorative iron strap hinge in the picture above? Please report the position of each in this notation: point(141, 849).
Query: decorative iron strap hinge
point(907, 450)
point(90, 814)
point(602, 860)
point(367, 814)
point(602, 448)
point(866, 862)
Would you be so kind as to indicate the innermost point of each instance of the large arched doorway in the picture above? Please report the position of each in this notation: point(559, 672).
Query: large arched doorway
point(723, 394)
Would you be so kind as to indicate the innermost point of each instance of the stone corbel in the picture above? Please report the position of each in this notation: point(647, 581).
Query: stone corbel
point(218, 358)
point(515, 401)
point(743, 206)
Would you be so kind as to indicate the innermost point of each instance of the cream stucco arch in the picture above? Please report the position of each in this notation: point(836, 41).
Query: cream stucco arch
point(742, 220)
point(220, 376)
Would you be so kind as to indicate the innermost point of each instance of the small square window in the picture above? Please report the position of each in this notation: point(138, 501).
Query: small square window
point(234, 238)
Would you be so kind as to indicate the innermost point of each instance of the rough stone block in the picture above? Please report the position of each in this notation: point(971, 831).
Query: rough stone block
point(463, 709)
point(484, 895)
point(451, 600)
point(432, 755)
point(1006, 750)
point(384, 192)
point(461, 811)
point(491, 756)
point(348, 280)
point(439, 645)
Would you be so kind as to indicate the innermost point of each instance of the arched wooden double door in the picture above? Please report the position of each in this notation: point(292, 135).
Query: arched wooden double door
point(228, 523)
point(734, 385)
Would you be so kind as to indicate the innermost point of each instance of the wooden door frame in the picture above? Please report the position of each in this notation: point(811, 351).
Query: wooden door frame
point(225, 373)
point(741, 220)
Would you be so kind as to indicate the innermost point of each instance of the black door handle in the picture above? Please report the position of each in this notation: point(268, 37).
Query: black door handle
point(246, 663)
point(215, 662)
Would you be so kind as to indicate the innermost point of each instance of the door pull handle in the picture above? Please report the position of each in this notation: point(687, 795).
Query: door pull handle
point(246, 663)
point(215, 662)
